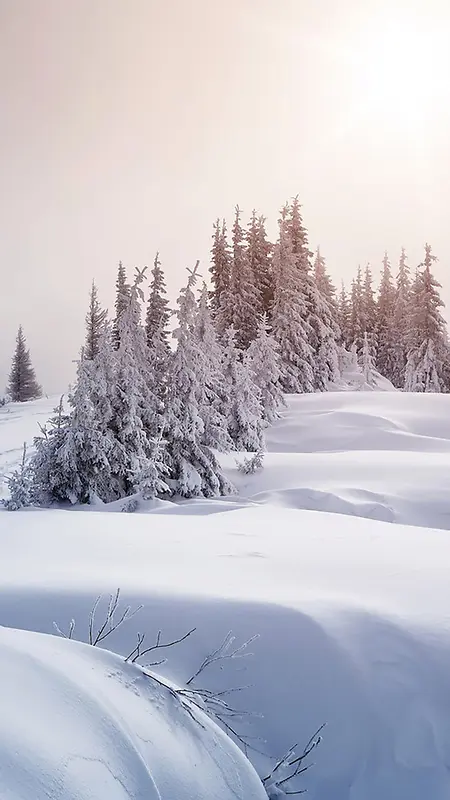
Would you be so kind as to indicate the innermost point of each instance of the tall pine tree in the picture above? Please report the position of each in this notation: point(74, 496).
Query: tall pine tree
point(259, 255)
point(122, 296)
point(244, 295)
point(22, 385)
point(386, 336)
point(400, 321)
point(95, 325)
point(156, 326)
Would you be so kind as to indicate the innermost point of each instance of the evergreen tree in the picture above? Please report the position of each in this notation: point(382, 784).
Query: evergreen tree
point(220, 270)
point(323, 281)
point(259, 255)
point(357, 316)
point(263, 362)
point(428, 355)
point(367, 362)
point(245, 409)
point(95, 324)
point(386, 336)
point(157, 321)
point(369, 310)
point(344, 315)
point(22, 384)
point(122, 296)
point(243, 293)
point(290, 327)
point(212, 390)
point(193, 470)
point(400, 322)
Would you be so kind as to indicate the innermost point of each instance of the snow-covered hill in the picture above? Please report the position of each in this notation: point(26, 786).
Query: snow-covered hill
point(352, 613)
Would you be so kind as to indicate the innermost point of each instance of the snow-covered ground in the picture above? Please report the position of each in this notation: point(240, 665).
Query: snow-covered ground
point(353, 614)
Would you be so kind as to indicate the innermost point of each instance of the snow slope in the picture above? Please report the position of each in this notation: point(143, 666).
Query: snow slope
point(352, 614)
point(79, 724)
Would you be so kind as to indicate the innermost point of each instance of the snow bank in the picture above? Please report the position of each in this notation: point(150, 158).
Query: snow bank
point(79, 724)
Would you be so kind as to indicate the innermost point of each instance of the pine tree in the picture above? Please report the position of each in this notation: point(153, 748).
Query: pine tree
point(22, 384)
point(193, 470)
point(289, 318)
point(243, 294)
point(122, 295)
point(369, 310)
point(259, 255)
point(245, 409)
point(386, 337)
point(367, 362)
point(400, 322)
point(157, 321)
point(357, 317)
point(323, 281)
point(211, 390)
point(428, 355)
point(220, 270)
point(263, 362)
point(95, 323)
point(344, 317)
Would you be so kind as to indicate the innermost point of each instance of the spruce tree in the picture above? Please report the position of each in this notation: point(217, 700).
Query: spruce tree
point(386, 336)
point(428, 355)
point(357, 317)
point(367, 362)
point(122, 295)
point(220, 270)
point(212, 389)
point(400, 321)
point(263, 362)
point(95, 324)
point(323, 281)
point(259, 255)
point(193, 470)
point(369, 310)
point(290, 326)
point(22, 385)
point(243, 293)
point(344, 317)
point(245, 409)
point(156, 327)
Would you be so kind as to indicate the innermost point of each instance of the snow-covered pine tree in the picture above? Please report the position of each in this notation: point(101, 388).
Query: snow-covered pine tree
point(245, 410)
point(95, 324)
point(212, 390)
point(400, 321)
point(263, 362)
point(357, 318)
point(386, 335)
point(193, 470)
point(323, 331)
point(220, 270)
point(344, 317)
point(137, 413)
point(367, 362)
point(323, 281)
point(122, 295)
point(22, 384)
point(259, 255)
point(243, 293)
point(369, 310)
point(428, 355)
point(290, 327)
point(156, 327)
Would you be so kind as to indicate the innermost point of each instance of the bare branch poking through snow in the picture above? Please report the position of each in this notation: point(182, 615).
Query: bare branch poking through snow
point(290, 767)
point(109, 624)
point(222, 653)
point(69, 634)
point(138, 653)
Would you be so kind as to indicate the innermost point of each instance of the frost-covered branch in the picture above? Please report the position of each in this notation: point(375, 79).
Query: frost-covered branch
point(222, 653)
point(137, 652)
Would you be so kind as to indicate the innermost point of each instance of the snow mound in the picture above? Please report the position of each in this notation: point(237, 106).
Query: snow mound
point(77, 723)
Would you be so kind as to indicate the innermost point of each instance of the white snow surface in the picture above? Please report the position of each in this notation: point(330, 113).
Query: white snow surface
point(352, 613)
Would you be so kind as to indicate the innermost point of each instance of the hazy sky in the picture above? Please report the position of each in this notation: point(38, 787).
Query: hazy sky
point(130, 125)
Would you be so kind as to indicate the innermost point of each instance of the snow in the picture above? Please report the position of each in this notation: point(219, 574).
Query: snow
point(352, 613)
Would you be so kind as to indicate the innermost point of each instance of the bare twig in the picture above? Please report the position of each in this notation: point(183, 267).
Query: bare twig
point(222, 653)
point(138, 653)
point(293, 765)
point(109, 624)
point(69, 634)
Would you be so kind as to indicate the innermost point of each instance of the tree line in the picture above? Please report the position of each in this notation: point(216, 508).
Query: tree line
point(148, 414)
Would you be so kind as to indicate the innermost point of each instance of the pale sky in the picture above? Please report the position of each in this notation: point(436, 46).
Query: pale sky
point(128, 126)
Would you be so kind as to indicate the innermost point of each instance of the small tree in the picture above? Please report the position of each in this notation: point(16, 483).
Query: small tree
point(368, 362)
point(245, 408)
point(95, 325)
point(263, 361)
point(22, 384)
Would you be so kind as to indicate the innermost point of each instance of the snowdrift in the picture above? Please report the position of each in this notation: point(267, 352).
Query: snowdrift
point(77, 723)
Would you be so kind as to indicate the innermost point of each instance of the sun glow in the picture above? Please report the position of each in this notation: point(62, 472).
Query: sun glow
point(403, 70)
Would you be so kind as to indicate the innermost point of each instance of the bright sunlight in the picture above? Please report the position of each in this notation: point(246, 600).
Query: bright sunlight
point(403, 69)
